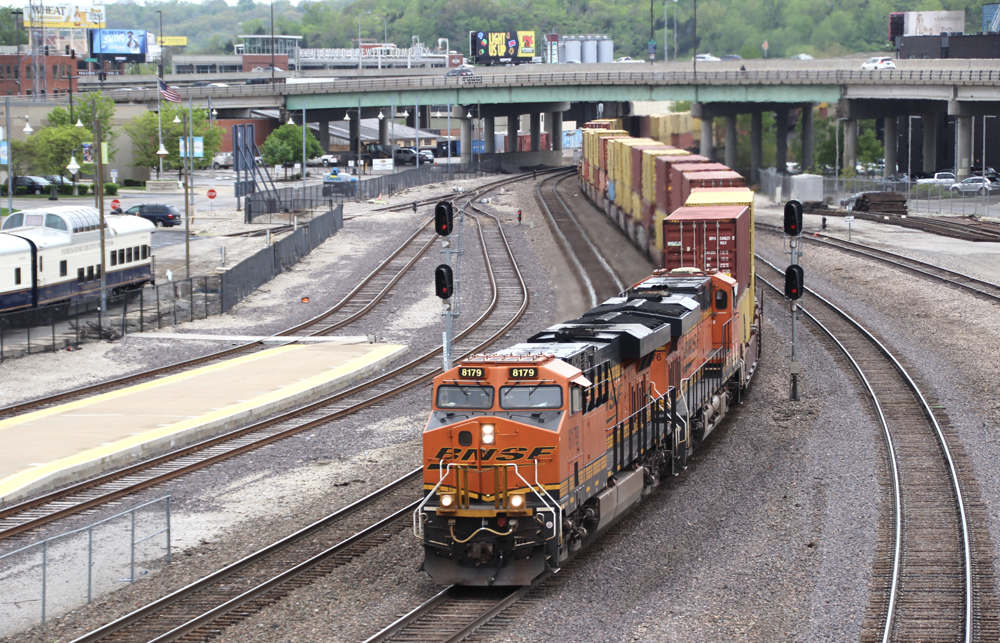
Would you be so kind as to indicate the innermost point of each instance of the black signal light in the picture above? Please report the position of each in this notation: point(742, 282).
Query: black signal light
point(793, 218)
point(444, 283)
point(443, 215)
point(794, 281)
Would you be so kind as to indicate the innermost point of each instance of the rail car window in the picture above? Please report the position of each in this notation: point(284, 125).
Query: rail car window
point(145, 252)
point(135, 253)
point(465, 397)
point(128, 255)
point(15, 220)
point(17, 276)
point(721, 300)
point(114, 258)
point(63, 268)
point(80, 275)
point(41, 264)
point(526, 396)
point(33, 219)
point(54, 222)
point(90, 273)
point(121, 256)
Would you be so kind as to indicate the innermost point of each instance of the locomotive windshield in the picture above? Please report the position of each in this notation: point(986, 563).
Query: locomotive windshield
point(525, 396)
point(465, 397)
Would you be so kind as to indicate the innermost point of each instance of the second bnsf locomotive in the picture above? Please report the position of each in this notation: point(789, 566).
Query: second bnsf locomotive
point(532, 451)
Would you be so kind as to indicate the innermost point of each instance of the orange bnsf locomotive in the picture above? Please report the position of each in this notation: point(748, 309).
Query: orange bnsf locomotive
point(532, 451)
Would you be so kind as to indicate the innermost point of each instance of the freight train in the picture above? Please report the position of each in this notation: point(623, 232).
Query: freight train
point(53, 255)
point(532, 451)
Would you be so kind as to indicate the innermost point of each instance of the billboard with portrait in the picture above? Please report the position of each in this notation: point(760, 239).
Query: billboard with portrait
point(118, 44)
point(933, 23)
point(501, 47)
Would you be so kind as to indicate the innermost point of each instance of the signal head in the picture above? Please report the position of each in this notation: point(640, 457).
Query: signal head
point(443, 216)
point(444, 281)
point(793, 218)
point(794, 282)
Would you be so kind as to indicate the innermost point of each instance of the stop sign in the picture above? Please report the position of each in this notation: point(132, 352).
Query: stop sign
point(115, 203)
point(211, 194)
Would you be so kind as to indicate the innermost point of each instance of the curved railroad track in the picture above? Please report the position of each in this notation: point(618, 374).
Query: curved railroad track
point(968, 283)
point(597, 278)
point(974, 231)
point(933, 578)
point(201, 610)
point(41, 510)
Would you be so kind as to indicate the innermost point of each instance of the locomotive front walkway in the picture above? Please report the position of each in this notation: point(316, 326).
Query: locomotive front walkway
point(63, 444)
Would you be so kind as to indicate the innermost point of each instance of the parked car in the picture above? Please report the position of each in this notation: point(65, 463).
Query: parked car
point(628, 59)
point(218, 85)
point(802, 57)
point(222, 160)
point(33, 184)
point(201, 83)
point(848, 202)
point(159, 214)
point(939, 178)
point(57, 179)
point(407, 156)
point(878, 62)
point(707, 58)
point(460, 71)
point(426, 156)
point(732, 57)
point(975, 184)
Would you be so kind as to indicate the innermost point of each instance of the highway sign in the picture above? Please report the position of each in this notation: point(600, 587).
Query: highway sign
point(211, 194)
point(115, 203)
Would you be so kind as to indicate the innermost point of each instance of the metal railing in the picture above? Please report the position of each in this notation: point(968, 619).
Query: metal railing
point(49, 572)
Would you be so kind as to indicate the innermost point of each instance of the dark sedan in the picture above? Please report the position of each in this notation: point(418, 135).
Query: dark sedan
point(159, 214)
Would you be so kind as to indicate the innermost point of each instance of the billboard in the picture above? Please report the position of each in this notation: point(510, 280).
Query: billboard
point(933, 23)
point(118, 44)
point(65, 16)
point(501, 47)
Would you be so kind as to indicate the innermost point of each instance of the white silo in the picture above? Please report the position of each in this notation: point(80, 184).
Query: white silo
point(562, 51)
point(589, 49)
point(605, 50)
point(573, 50)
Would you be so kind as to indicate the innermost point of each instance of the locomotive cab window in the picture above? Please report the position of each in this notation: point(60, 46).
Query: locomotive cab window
point(17, 276)
point(471, 396)
point(15, 220)
point(531, 396)
point(575, 399)
point(63, 268)
point(721, 300)
point(54, 222)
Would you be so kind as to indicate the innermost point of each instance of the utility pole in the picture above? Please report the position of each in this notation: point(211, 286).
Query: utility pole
point(10, 159)
point(100, 205)
point(159, 97)
point(272, 45)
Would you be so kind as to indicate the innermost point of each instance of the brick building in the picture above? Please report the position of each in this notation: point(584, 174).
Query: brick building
point(16, 75)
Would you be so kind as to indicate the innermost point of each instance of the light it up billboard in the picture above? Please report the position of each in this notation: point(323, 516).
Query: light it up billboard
point(501, 47)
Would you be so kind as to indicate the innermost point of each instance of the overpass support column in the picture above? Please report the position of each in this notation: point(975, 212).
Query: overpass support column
point(731, 140)
point(535, 126)
point(807, 137)
point(465, 140)
point(513, 125)
point(489, 134)
point(324, 136)
point(781, 151)
point(354, 130)
point(555, 122)
point(756, 149)
point(890, 146)
point(964, 133)
point(850, 145)
point(706, 137)
point(930, 127)
point(383, 131)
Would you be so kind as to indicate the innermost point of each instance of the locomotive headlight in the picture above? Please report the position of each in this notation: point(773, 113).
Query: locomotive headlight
point(447, 501)
point(489, 437)
point(517, 502)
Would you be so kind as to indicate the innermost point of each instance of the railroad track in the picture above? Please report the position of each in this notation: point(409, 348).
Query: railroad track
point(966, 231)
point(933, 578)
point(202, 610)
point(597, 278)
point(22, 517)
point(973, 285)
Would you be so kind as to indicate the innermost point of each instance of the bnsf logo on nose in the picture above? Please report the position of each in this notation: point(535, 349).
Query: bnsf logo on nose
point(509, 454)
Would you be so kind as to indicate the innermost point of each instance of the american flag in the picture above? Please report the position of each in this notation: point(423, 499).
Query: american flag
point(169, 93)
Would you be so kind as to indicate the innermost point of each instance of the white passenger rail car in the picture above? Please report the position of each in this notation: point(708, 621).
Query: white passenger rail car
point(53, 255)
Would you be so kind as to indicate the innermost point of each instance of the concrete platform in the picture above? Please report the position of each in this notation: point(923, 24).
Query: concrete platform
point(66, 443)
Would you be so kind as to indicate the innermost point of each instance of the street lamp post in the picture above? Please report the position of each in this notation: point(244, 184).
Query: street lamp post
point(20, 25)
point(359, 44)
point(272, 45)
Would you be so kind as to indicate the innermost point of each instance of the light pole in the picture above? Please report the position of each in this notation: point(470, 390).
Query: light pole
point(159, 102)
point(20, 24)
point(272, 44)
point(986, 181)
point(675, 29)
point(359, 49)
point(99, 177)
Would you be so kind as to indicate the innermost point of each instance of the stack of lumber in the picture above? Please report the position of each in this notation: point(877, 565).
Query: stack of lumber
point(888, 202)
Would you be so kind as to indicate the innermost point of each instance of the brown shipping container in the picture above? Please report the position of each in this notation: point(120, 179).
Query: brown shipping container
point(677, 170)
point(719, 179)
point(603, 144)
point(637, 163)
point(644, 126)
point(710, 238)
point(662, 166)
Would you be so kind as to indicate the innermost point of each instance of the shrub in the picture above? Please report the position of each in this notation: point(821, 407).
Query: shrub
point(66, 189)
point(111, 189)
point(133, 183)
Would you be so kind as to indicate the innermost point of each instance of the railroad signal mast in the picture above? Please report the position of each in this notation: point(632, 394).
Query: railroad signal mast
point(446, 279)
point(794, 283)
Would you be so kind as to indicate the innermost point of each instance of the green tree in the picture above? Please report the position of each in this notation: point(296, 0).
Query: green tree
point(9, 33)
point(49, 149)
point(83, 111)
point(143, 131)
point(284, 146)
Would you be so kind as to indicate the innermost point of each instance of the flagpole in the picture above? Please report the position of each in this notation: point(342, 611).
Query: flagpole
point(159, 128)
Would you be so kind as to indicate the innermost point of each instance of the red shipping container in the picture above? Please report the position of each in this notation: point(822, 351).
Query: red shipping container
point(586, 171)
point(677, 170)
point(683, 141)
point(648, 209)
point(713, 239)
point(663, 165)
point(644, 127)
point(637, 163)
point(604, 149)
point(717, 179)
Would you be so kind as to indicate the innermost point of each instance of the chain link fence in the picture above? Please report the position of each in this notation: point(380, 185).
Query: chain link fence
point(261, 207)
point(59, 574)
point(920, 197)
